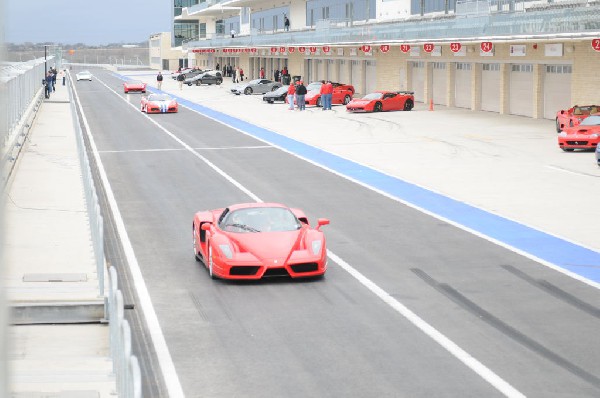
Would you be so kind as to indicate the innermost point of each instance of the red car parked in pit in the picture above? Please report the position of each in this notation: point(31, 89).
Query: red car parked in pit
point(584, 136)
point(342, 93)
point(134, 85)
point(382, 101)
point(573, 116)
point(255, 240)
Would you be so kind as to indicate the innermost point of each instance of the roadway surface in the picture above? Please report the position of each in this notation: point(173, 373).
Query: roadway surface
point(411, 306)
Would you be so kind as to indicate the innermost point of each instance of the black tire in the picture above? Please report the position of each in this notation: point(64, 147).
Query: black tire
point(568, 149)
point(408, 105)
point(558, 130)
point(248, 91)
point(318, 102)
point(347, 99)
point(210, 262)
point(189, 84)
point(377, 107)
point(198, 258)
point(270, 101)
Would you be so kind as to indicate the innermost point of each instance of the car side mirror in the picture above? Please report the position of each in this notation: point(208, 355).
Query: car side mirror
point(562, 112)
point(321, 222)
point(206, 226)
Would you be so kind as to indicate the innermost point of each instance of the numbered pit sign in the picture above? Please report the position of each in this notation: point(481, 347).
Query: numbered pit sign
point(455, 47)
point(596, 44)
point(428, 47)
point(486, 46)
point(405, 48)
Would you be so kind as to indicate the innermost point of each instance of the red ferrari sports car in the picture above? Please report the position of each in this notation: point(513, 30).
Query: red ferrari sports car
point(342, 93)
point(134, 85)
point(255, 240)
point(383, 101)
point(584, 136)
point(573, 116)
point(159, 103)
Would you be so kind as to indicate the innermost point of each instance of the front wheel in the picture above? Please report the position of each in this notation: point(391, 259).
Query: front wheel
point(248, 91)
point(347, 99)
point(377, 107)
point(210, 262)
point(195, 244)
point(318, 103)
point(557, 126)
point(408, 105)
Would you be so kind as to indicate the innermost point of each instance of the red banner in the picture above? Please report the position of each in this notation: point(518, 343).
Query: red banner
point(405, 48)
point(428, 47)
point(455, 47)
point(486, 46)
point(384, 48)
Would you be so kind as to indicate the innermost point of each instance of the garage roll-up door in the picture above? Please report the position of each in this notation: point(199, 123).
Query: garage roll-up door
point(521, 90)
point(557, 89)
point(490, 87)
point(418, 80)
point(462, 85)
point(439, 83)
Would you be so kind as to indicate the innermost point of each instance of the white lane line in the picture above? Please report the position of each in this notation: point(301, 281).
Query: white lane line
point(158, 339)
point(476, 366)
point(198, 149)
point(578, 173)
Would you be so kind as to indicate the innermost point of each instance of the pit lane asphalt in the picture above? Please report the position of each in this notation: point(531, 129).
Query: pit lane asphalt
point(319, 338)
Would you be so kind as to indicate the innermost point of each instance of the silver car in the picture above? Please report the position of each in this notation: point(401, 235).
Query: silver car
point(257, 86)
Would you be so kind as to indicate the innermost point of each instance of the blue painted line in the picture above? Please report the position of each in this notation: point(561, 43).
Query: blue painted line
point(566, 255)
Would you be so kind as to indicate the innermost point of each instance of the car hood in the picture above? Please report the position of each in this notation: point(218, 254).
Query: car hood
point(240, 86)
point(268, 245)
point(582, 131)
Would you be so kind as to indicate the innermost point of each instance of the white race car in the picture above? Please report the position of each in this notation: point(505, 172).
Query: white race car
point(84, 75)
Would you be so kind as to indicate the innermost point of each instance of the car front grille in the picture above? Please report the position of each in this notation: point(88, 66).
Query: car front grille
point(276, 272)
point(244, 270)
point(305, 267)
point(577, 142)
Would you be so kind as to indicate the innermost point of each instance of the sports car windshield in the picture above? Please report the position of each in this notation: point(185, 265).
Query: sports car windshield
point(584, 110)
point(256, 81)
point(313, 86)
point(591, 121)
point(134, 82)
point(373, 96)
point(260, 219)
point(281, 90)
point(159, 97)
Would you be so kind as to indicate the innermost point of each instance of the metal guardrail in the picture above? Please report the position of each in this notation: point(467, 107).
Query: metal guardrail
point(91, 197)
point(125, 365)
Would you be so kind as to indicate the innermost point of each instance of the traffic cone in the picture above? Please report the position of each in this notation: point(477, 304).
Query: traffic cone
point(431, 104)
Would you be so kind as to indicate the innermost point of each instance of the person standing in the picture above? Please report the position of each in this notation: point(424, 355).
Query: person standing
point(276, 75)
point(64, 76)
point(54, 73)
point(48, 84)
point(261, 73)
point(234, 76)
point(300, 93)
point(159, 80)
point(233, 33)
point(217, 67)
point(290, 96)
point(328, 90)
point(286, 23)
point(180, 79)
point(241, 75)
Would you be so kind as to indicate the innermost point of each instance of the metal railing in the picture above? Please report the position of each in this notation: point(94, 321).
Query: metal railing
point(578, 21)
point(125, 365)
point(96, 221)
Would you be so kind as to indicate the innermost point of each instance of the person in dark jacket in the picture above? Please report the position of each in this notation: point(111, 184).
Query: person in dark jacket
point(300, 93)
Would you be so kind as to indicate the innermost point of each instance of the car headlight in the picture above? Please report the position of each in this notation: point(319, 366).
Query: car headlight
point(226, 249)
point(316, 246)
point(562, 134)
point(595, 135)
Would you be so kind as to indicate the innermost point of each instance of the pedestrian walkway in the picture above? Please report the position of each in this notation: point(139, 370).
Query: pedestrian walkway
point(59, 342)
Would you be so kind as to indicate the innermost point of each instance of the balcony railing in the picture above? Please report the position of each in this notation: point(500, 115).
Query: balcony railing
point(575, 21)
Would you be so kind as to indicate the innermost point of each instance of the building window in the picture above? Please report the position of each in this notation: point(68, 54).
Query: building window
point(525, 68)
point(491, 67)
point(559, 69)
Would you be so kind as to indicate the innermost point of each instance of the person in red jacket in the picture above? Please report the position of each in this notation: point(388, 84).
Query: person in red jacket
point(326, 95)
point(290, 96)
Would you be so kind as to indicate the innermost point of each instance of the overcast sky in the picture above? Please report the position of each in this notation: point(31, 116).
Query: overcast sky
point(84, 21)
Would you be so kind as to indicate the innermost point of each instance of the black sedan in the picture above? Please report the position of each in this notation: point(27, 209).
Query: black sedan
point(277, 95)
point(209, 78)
